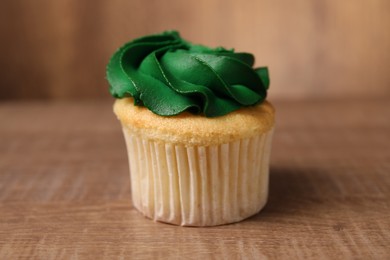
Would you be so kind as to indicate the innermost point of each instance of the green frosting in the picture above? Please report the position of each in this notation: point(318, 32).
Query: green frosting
point(169, 75)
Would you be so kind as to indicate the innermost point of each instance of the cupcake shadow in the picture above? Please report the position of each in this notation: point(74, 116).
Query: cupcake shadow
point(295, 191)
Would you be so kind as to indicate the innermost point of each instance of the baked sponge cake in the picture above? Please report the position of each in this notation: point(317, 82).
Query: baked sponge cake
point(198, 129)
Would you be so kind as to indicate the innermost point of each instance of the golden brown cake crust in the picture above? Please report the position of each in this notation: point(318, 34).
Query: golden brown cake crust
point(189, 129)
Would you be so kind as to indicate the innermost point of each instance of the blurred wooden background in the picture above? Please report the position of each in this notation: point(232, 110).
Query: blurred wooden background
point(325, 48)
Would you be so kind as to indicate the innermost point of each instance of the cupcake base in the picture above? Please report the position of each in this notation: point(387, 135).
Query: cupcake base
point(199, 185)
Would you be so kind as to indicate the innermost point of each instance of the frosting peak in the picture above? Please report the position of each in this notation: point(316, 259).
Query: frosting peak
point(169, 75)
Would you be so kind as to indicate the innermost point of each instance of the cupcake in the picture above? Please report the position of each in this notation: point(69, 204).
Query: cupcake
point(197, 127)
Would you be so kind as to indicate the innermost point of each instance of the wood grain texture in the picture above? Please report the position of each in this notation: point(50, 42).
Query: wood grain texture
point(59, 49)
point(65, 193)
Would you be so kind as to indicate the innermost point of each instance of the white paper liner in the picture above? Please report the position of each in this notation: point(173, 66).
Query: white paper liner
point(198, 185)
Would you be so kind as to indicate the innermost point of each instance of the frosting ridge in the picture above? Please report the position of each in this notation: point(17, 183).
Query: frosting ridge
point(169, 75)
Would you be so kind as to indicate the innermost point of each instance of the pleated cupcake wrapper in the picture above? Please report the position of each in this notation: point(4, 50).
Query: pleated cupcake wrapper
point(199, 185)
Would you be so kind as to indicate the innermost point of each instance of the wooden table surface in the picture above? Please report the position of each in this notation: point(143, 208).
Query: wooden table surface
point(65, 193)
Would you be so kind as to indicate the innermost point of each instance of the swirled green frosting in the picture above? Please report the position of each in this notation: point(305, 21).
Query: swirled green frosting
point(169, 75)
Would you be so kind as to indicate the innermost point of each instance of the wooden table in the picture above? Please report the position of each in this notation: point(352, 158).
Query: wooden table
point(65, 193)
